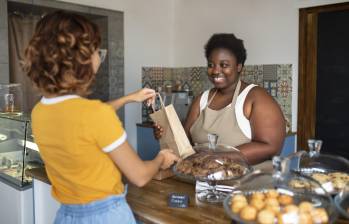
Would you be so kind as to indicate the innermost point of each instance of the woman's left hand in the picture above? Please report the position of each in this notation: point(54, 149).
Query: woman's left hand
point(144, 94)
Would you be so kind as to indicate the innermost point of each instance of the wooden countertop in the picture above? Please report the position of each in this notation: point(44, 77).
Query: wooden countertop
point(149, 203)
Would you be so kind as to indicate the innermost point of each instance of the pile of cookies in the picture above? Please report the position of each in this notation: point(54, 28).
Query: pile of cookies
point(273, 207)
point(204, 164)
point(337, 181)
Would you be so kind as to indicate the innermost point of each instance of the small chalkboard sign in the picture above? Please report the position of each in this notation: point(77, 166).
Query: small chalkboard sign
point(178, 200)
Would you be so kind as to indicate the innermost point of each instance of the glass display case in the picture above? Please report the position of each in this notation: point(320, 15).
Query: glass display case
point(18, 152)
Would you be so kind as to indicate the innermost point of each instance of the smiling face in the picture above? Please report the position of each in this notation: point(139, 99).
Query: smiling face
point(222, 68)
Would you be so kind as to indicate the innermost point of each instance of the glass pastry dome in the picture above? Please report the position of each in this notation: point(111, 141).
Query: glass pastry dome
point(331, 171)
point(213, 164)
point(273, 197)
point(342, 202)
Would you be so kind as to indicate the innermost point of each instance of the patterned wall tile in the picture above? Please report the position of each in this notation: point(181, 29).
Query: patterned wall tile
point(253, 74)
point(284, 80)
point(269, 72)
point(276, 79)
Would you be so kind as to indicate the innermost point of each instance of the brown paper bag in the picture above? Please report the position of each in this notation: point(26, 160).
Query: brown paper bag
point(174, 135)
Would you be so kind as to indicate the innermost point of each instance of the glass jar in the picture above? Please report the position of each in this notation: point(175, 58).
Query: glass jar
point(11, 99)
point(272, 197)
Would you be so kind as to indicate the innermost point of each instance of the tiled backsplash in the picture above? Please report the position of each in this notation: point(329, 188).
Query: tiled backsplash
point(276, 79)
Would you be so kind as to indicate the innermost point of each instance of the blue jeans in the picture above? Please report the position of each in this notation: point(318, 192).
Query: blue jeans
point(111, 210)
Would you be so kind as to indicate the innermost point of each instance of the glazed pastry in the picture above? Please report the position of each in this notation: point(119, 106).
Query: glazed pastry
point(287, 218)
point(291, 209)
point(266, 216)
point(271, 202)
point(285, 199)
point(236, 206)
point(239, 197)
point(319, 215)
point(257, 203)
point(305, 218)
point(273, 208)
point(272, 194)
point(248, 213)
point(258, 195)
point(305, 206)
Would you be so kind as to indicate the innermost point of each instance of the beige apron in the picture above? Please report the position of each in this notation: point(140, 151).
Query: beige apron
point(220, 122)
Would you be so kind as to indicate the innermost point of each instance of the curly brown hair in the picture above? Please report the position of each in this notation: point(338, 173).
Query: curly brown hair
point(58, 57)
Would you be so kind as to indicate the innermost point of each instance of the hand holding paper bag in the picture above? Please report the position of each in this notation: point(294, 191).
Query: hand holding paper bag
point(174, 136)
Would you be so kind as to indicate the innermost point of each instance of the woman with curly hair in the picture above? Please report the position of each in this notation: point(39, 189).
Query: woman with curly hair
point(82, 141)
point(242, 115)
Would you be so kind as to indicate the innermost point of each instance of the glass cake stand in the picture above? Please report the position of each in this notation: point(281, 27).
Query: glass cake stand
point(212, 166)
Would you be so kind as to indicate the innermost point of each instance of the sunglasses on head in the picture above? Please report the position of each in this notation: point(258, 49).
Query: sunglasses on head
point(102, 54)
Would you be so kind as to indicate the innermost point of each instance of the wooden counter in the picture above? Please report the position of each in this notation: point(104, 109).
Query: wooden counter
point(149, 203)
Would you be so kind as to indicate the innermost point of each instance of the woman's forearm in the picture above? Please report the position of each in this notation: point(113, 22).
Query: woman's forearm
point(118, 103)
point(257, 152)
point(138, 96)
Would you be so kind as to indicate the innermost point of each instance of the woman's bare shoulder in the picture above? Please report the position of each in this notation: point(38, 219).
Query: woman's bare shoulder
point(197, 99)
point(258, 93)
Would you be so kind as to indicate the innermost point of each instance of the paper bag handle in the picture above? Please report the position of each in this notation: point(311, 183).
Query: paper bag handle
point(161, 102)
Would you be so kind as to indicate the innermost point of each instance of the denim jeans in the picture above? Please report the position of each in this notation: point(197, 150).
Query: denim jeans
point(111, 210)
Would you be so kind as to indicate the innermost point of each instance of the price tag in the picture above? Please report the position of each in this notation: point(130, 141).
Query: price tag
point(177, 200)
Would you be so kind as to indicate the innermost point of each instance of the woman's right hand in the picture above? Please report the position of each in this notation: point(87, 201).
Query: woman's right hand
point(144, 94)
point(158, 131)
point(169, 158)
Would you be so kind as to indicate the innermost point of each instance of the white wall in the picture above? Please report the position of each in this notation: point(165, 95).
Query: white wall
point(148, 32)
point(311, 3)
point(269, 29)
point(173, 33)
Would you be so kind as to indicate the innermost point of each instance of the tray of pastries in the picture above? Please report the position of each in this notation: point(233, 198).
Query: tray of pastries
point(275, 206)
point(269, 197)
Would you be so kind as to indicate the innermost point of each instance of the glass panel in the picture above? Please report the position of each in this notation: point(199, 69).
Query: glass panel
point(17, 152)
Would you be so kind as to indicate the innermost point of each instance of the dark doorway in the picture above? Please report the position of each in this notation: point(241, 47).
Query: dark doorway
point(332, 109)
point(323, 110)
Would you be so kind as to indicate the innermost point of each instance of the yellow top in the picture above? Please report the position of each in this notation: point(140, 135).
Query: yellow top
point(74, 136)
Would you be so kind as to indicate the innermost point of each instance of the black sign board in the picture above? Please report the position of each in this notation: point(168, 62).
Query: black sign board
point(178, 200)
